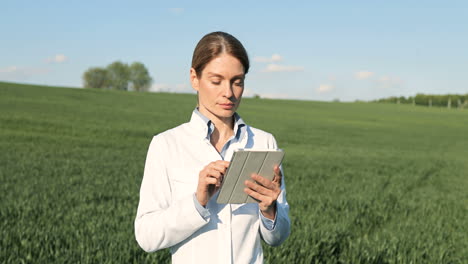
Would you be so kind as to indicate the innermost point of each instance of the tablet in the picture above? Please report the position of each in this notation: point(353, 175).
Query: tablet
point(244, 162)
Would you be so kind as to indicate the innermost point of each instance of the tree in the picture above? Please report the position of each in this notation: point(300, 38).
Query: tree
point(139, 77)
point(96, 78)
point(119, 74)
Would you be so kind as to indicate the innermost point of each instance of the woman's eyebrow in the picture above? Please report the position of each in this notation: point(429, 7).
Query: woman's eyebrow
point(239, 76)
point(212, 74)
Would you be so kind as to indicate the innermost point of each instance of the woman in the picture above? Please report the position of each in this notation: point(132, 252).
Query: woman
point(185, 165)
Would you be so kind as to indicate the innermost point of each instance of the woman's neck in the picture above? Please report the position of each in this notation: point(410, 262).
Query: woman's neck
point(221, 134)
point(223, 129)
point(223, 124)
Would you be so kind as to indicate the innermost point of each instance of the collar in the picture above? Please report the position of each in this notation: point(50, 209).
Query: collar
point(205, 127)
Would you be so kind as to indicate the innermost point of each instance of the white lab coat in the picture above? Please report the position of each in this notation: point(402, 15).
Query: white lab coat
point(167, 216)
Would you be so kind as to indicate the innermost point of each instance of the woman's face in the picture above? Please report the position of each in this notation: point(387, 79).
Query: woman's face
point(219, 87)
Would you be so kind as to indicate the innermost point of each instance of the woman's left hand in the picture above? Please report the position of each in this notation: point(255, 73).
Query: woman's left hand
point(266, 192)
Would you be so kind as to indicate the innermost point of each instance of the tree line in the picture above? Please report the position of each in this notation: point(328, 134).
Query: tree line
point(119, 76)
point(447, 100)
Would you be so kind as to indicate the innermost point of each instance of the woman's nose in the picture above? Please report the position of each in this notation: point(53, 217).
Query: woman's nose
point(228, 90)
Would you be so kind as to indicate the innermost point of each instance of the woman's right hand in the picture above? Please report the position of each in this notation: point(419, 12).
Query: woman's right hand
point(209, 180)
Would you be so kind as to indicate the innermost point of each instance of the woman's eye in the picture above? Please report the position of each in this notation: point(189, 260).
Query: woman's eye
point(216, 83)
point(239, 83)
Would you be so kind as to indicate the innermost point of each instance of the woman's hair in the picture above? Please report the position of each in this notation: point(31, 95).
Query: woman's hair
point(214, 44)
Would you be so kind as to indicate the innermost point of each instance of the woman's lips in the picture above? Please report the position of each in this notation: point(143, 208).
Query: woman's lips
point(227, 106)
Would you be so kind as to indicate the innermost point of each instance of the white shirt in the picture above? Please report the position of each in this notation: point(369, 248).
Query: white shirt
point(167, 215)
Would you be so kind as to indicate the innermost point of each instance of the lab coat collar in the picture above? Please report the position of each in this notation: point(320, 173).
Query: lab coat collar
point(204, 127)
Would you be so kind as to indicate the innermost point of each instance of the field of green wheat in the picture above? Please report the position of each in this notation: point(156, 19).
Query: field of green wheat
point(366, 182)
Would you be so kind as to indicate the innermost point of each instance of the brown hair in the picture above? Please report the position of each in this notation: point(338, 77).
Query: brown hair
point(213, 45)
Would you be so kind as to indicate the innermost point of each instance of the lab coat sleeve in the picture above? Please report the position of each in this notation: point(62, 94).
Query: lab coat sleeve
point(162, 222)
point(282, 226)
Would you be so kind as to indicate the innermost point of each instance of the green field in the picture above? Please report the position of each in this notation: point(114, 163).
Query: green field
point(366, 182)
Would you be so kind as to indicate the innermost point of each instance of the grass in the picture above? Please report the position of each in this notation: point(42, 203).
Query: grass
point(367, 182)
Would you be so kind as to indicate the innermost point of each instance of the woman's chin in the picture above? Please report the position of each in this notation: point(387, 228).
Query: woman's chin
point(221, 112)
point(226, 113)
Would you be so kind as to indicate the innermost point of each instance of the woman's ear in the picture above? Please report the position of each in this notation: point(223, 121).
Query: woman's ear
point(194, 79)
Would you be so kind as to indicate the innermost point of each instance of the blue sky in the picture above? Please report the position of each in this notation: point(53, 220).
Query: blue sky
point(312, 50)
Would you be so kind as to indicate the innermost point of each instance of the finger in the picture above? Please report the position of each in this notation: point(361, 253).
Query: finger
point(214, 174)
point(258, 188)
point(277, 171)
point(261, 199)
point(278, 175)
point(222, 163)
point(209, 180)
point(221, 167)
point(263, 181)
point(208, 172)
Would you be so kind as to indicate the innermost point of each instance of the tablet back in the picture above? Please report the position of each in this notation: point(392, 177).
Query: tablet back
point(244, 162)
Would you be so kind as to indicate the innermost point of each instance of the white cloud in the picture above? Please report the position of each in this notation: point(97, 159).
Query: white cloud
point(389, 81)
point(282, 68)
point(247, 93)
point(362, 75)
point(275, 96)
point(384, 79)
point(272, 66)
point(159, 87)
point(273, 58)
point(176, 10)
point(9, 69)
point(14, 73)
point(59, 58)
point(182, 88)
point(324, 88)
point(176, 88)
